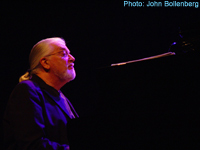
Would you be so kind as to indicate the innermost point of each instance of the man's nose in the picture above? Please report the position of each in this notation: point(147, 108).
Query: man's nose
point(71, 58)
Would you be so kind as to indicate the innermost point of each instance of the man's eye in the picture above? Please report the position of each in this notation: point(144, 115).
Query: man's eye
point(64, 54)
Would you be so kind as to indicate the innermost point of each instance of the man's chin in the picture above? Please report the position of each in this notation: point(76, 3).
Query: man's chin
point(73, 78)
point(70, 77)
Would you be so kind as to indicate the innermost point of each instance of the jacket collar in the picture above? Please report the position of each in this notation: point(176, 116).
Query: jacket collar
point(44, 86)
point(50, 91)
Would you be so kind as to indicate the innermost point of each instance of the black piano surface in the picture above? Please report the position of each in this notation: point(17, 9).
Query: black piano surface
point(152, 103)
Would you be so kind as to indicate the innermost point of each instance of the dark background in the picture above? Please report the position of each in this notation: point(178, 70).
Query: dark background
point(98, 33)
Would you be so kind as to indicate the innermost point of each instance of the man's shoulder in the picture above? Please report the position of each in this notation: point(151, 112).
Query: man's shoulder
point(27, 85)
point(26, 82)
point(23, 91)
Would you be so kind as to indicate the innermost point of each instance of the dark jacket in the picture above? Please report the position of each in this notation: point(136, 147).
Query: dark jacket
point(36, 117)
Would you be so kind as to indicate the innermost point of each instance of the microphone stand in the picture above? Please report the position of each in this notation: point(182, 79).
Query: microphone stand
point(146, 58)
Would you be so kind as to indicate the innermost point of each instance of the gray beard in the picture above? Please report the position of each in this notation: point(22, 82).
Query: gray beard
point(69, 75)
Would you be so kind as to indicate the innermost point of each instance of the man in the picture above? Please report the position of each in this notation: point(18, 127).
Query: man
point(37, 112)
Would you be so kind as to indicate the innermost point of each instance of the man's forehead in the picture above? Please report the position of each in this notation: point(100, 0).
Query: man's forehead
point(64, 49)
point(61, 46)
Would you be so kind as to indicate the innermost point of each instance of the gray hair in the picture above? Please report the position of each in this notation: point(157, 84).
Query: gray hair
point(39, 50)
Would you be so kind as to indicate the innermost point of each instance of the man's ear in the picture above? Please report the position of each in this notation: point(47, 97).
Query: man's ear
point(44, 63)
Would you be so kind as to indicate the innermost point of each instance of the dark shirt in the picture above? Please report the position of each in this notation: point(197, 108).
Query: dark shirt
point(36, 117)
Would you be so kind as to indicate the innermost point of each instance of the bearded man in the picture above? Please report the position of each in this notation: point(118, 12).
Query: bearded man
point(37, 112)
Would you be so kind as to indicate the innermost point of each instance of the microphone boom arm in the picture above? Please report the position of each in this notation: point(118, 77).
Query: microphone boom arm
point(147, 58)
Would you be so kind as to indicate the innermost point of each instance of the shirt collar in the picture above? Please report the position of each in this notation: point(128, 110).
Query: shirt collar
point(43, 85)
